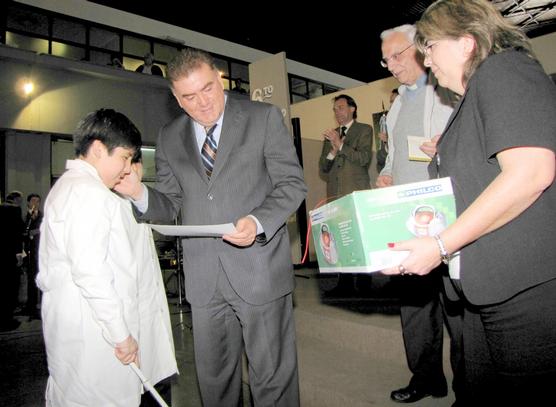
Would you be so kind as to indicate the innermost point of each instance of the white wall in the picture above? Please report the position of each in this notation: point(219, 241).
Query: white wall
point(544, 48)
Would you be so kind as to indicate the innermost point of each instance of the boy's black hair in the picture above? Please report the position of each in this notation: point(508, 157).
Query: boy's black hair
point(111, 128)
point(137, 157)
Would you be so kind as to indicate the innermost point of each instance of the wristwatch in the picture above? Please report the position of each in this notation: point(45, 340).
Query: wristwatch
point(444, 256)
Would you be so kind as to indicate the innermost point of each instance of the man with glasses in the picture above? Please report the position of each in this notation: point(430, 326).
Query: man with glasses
point(421, 110)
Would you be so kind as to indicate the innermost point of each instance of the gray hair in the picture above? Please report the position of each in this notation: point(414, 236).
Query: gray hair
point(408, 30)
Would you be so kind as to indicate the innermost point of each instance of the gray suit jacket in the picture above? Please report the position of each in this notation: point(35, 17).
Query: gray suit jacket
point(348, 171)
point(256, 172)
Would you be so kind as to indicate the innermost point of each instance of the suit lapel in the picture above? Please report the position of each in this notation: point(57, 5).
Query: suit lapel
point(192, 149)
point(230, 133)
point(350, 133)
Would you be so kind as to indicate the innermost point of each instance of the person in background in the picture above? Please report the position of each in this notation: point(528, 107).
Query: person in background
point(88, 271)
point(148, 67)
point(15, 198)
point(238, 87)
point(499, 151)
point(31, 238)
point(10, 249)
point(393, 95)
point(421, 109)
point(230, 160)
point(116, 62)
point(344, 165)
point(382, 150)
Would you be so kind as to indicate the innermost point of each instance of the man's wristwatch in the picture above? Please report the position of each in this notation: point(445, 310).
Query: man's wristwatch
point(444, 256)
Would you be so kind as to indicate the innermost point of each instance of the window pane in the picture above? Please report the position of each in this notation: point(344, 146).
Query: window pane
point(68, 30)
point(240, 71)
point(104, 39)
point(222, 66)
point(100, 58)
point(149, 169)
point(26, 20)
point(136, 46)
point(163, 68)
point(297, 98)
point(68, 51)
point(164, 53)
point(62, 150)
point(24, 42)
point(299, 86)
point(315, 89)
point(330, 89)
point(132, 64)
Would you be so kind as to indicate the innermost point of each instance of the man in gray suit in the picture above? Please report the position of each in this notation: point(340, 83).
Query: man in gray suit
point(231, 160)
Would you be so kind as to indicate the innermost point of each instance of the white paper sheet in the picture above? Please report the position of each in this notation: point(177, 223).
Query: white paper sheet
point(195, 230)
point(415, 153)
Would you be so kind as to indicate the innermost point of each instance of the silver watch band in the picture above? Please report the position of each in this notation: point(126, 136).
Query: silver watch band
point(444, 256)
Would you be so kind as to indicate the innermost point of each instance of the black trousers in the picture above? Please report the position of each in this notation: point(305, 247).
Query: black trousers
point(32, 289)
point(510, 349)
point(164, 388)
point(9, 287)
point(424, 309)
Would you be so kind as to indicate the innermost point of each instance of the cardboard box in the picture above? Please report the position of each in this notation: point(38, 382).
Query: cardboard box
point(351, 234)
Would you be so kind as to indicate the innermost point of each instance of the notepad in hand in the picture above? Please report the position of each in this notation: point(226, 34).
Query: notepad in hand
point(415, 153)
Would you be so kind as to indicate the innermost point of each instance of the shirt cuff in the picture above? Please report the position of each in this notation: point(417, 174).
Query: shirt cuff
point(330, 156)
point(259, 226)
point(142, 204)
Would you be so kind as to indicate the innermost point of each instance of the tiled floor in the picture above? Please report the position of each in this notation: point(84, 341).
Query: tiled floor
point(23, 370)
point(350, 352)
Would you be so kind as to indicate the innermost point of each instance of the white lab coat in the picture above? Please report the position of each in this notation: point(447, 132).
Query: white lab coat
point(89, 275)
point(156, 344)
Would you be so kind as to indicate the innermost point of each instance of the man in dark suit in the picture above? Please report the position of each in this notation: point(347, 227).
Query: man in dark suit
point(344, 165)
point(231, 160)
point(31, 236)
point(346, 151)
point(12, 228)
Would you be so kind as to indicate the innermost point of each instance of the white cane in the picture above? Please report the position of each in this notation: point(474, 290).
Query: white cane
point(147, 385)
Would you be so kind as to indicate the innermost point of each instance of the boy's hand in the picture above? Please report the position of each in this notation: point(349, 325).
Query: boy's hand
point(126, 351)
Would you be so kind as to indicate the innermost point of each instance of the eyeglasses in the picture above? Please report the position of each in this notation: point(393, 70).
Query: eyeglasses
point(384, 61)
point(428, 48)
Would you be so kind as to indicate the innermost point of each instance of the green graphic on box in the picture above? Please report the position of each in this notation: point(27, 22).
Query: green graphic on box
point(351, 234)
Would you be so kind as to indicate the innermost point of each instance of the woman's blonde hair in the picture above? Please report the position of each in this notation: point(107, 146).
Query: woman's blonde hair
point(452, 19)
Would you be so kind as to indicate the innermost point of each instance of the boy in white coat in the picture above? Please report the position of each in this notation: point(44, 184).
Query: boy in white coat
point(89, 272)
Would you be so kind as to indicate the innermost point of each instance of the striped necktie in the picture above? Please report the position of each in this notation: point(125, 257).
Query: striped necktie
point(208, 152)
